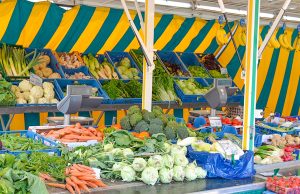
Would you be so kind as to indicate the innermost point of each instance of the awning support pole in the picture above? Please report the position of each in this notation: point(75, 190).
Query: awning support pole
point(273, 27)
point(251, 73)
point(138, 10)
point(148, 65)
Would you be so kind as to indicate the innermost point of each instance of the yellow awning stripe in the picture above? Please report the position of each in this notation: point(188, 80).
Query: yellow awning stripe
point(6, 10)
point(208, 39)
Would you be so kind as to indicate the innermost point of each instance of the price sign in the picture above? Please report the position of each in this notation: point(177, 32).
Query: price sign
point(224, 71)
point(35, 80)
point(215, 122)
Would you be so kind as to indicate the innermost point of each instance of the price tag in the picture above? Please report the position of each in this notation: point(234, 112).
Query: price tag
point(224, 71)
point(35, 80)
point(221, 19)
point(215, 122)
point(243, 74)
point(243, 22)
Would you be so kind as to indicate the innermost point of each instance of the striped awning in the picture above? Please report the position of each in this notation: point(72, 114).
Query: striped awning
point(96, 30)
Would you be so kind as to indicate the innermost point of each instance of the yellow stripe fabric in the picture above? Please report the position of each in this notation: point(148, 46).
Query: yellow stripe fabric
point(120, 115)
point(117, 34)
point(34, 23)
point(278, 77)
point(43, 118)
point(6, 11)
point(18, 122)
point(293, 84)
point(172, 28)
point(192, 33)
point(208, 39)
point(91, 30)
point(63, 28)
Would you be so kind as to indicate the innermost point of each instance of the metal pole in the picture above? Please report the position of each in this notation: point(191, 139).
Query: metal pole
point(137, 7)
point(273, 27)
point(251, 73)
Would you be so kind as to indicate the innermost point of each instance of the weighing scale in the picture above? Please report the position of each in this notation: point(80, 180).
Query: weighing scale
point(77, 97)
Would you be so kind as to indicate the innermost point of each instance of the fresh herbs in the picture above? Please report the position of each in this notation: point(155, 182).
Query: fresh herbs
point(198, 71)
point(119, 89)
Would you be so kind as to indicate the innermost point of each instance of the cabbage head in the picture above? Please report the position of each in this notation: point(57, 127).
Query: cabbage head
point(166, 175)
point(117, 151)
point(128, 174)
point(118, 166)
point(176, 149)
point(167, 148)
point(127, 152)
point(168, 161)
point(178, 173)
point(180, 160)
point(150, 175)
point(189, 172)
point(156, 161)
point(200, 172)
point(139, 164)
point(108, 147)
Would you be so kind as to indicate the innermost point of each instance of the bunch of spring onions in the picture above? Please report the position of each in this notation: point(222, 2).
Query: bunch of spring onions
point(16, 62)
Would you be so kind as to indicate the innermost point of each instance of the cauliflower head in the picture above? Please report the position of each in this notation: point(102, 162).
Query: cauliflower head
point(37, 92)
point(25, 86)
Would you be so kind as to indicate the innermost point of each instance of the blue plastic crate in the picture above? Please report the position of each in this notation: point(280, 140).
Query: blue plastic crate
point(61, 85)
point(45, 80)
point(190, 59)
point(200, 55)
point(268, 130)
point(53, 146)
point(82, 69)
point(172, 58)
point(54, 65)
point(116, 57)
point(101, 60)
point(191, 98)
point(121, 100)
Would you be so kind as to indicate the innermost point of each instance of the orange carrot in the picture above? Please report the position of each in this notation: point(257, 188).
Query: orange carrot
point(86, 178)
point(67, 171)
point(98, 182)
point(86, 167)
point(90, 184)
point(76, 187)
point(78, 125)
point(85, 188)
point(76, 180)
point(79, 174)
point(70, 189)
point(70, 182)
point(57, 185)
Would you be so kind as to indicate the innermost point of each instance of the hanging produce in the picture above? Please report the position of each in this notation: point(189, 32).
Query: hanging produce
point(273, 41)
point(42, 70)
point(102, 70)
point(27, 93)
point(7, 96)
point(192, 87)
point(221, 36)
point(285, 41)
point(126, 70)
point(70, 60)
point(16, 62)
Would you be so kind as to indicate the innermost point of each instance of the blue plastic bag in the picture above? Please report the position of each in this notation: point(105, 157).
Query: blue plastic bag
point(217, 166)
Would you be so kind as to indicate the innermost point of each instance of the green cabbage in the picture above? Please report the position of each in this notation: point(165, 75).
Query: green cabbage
point(139, 164)
point(156, 161)
point(165, 175)
point(200, 172)
point(180, 160)
point(168, 161)
point(127, 152)
point(128, 174)
point(189, 172)
point(178, 173)
point(150, 175)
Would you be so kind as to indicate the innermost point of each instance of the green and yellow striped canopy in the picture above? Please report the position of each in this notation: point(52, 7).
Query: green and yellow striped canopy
point(98, 29)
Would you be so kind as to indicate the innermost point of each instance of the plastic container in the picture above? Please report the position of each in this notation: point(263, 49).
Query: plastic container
point(264, 129)
point(56, 92)
point(116, 57)
point(172, 58)
point(190, 59)
point(282, 190)
point(53, 146)
point(62, 86)
point(54, 65)
point(121, 100)
point(191, 98)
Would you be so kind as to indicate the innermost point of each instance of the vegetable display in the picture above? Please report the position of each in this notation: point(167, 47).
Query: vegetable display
point(79, 75)
point(102, 70)
point(192, 87)
point(175, 70)
point(16, 62)
point(7, 96)
point(268, 154)
point(119, 89)
point(198, 71)
point(43, 71)
point(74, 133)
point(282, 185)
point(210, 63)
point(70, 60)
point(217, 74)
point(28, 93)
point(126, 70)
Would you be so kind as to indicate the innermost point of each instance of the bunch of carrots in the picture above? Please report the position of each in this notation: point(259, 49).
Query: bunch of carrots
point(141, 135)
point(75, 133)
point(79, 178)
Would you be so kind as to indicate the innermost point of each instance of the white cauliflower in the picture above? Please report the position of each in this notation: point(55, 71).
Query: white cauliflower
point(21, 101)
point(43, 101)
point(49, 94)
point(37, 92)
point(19, 94)
point(32, 100)
point(48, 85)
point(15, 88)
point(26, 95)
point(25, 86)
point(53, 101)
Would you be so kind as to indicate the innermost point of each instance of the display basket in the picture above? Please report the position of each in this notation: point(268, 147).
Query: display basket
point(190, 59)
point(101, 60)
point(191, 98)
point(63, 83)
point(82, 69)
point(56, 92)
point(122, 100)
point(264, 128)
point(54, 65)
point(282, 190)
point(172, 58)
point(115, 57)
point(53, 146)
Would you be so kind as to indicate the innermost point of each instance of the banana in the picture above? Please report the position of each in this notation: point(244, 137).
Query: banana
point(287, 42)
point(237, 38)
point(244, 38)
point(224, 35)
point(274, 42)
point(219, 38)
point(296, 44)
point(282, 42)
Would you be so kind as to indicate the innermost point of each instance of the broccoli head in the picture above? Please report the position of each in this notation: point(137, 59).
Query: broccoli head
point(141, 126)
point(170, 133)
point(155, 129)
point(133, 109)
point(125, 123)
point(173, 124)
point(135, 118)
point(164, 119)
point(156, 121)
point(147, 116)
point(182, 132)
point(157, 111)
